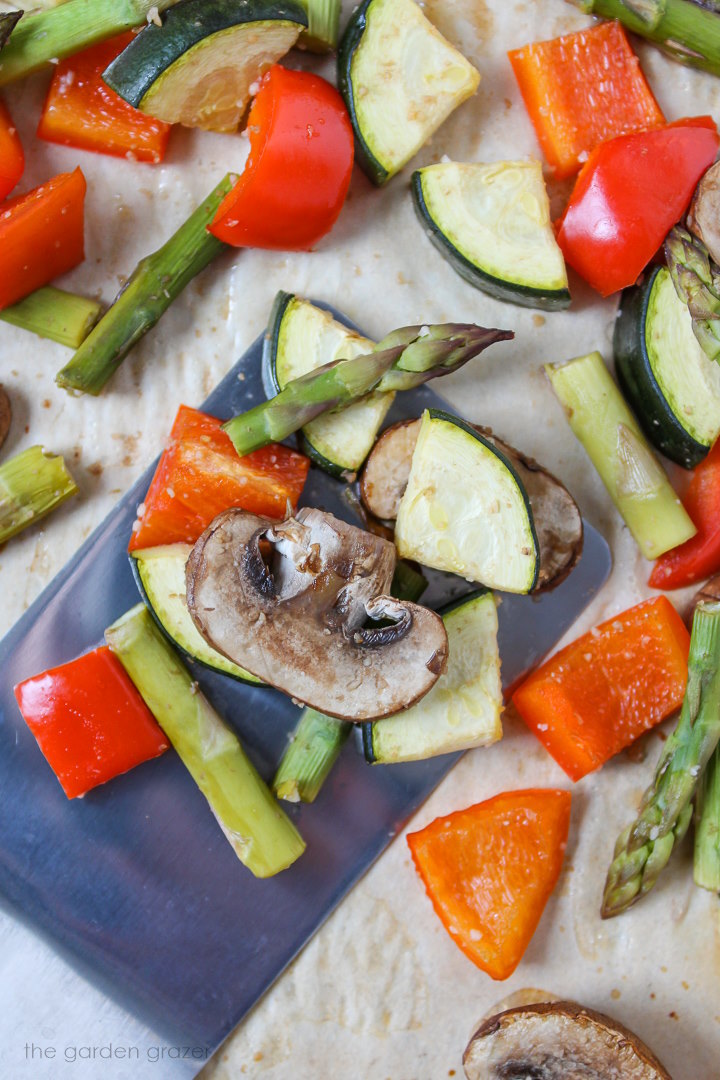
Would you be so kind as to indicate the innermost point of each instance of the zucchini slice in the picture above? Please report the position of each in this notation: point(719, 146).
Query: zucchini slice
point(160, 576)
point(463, 708)
point(400, 79)
point(672, 386)
point(492, 224)
point(197, 68)
point(466, 510)
point(300, 338)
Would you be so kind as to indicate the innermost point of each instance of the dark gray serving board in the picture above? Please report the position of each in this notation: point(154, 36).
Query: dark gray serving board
point(135, 884)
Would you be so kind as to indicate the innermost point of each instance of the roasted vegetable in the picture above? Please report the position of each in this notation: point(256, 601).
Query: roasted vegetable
point(697, 282)
point(5, 416)
point(31, 485)
point(54, 314)
point(703, 218)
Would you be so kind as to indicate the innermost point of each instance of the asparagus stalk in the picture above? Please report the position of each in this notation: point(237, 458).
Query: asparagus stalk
point(644, 848)
point(634, 478)
point(697, 282)
point(406, 358)
point(262, 836)
point(706, 870)
point(52, 313)
point(156, 281)
point(31, 485)
point(305, 765)
point(8, 22)
point(64, 30)
point(687, 30)
point(321, 35)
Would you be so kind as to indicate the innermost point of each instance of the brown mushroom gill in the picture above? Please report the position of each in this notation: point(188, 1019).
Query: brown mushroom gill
point(297, 616)
point(703, 217)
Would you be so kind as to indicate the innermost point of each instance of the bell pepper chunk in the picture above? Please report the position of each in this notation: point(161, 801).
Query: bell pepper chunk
point(12, 158)
point(41, 236)
point(200, 475)
point(298, 172)
point(582, 89)
point(89, 721)
point(602, 691)
point(489, 871)
point(628, 196)
point(699, 557)
point(82, 111)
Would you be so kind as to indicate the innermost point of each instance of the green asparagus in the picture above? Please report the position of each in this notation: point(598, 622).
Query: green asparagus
point(644, 848)
point(687, 30)
point(706, 870)
point(156, 281)
point(262, 836)
point(697, 281)
point(31, 485)
point(406, 358)
point(321, 35)
point(52, 313)
point(305, 765)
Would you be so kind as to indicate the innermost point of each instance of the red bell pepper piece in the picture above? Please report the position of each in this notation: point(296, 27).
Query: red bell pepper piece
point(598, 694)
point(582, 89)
point(200, 475)
point(81, 110)
point(89, 721)
point(41, 235)
point(628, 196)
point(490, 869)
point(12, 158)
point(298, 172)
point(698, 557)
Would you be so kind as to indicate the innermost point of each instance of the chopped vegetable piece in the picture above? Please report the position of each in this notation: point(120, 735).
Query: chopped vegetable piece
point(643, 849)
point(261, 836)
point(306, 764)
point(156, 281)
point(5, 415)
point(321, 35)
point(31, 485)
point(12, 158)
point(41, 236)
point(52, 313)
point(406, 358)
point(298, 172)
point(634, 478)
point(696, 279)
point(629, 194)
point(489, 871)
point(582, 89)
point(706, 867)
point(699, 557)
point(8, 22)
point(46, 36)
point(686, 30)
point(199, 475)
point(89, 721)
point(81, 110)
point(602, 691)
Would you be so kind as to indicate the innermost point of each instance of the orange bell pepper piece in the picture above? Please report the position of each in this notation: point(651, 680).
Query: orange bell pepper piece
point(598, 694)
point(490, 869)
point(581, 89)
point(12, 158)
point(41, 235)
point(81, 110)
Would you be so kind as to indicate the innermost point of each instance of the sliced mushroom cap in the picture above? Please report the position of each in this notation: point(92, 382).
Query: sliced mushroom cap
point(558, 1040)
point(709, 591)
point(557, 519)
point(296, 619)
point(703, 217)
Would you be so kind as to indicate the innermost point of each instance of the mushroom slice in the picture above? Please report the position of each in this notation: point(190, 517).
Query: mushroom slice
point(557, 519)
point(558, 1040)
point(703, 217)
point(296, 618)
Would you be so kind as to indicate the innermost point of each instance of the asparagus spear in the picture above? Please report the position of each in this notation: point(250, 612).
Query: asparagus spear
point(262, 836)
point(706, 870)
point(52, 313)
point(31, 485)
point(305, 765)
point(697, 281)
point(156, 281)
point(687, 30)
point(8, 22)
point(62, 31)
point(644, 848)
point(406, 358)
point(321, 35)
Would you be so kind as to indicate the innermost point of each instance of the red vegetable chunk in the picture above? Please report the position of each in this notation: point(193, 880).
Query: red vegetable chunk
point(630, 193)
point(89, 721)
point(698, 557)
point(200, 475)
point(12, 158)
point(81, 110)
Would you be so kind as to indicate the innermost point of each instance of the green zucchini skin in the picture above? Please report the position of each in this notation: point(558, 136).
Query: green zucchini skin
point(638, 382)
point(349, 43)
point(185, 24)
point(550, 300)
